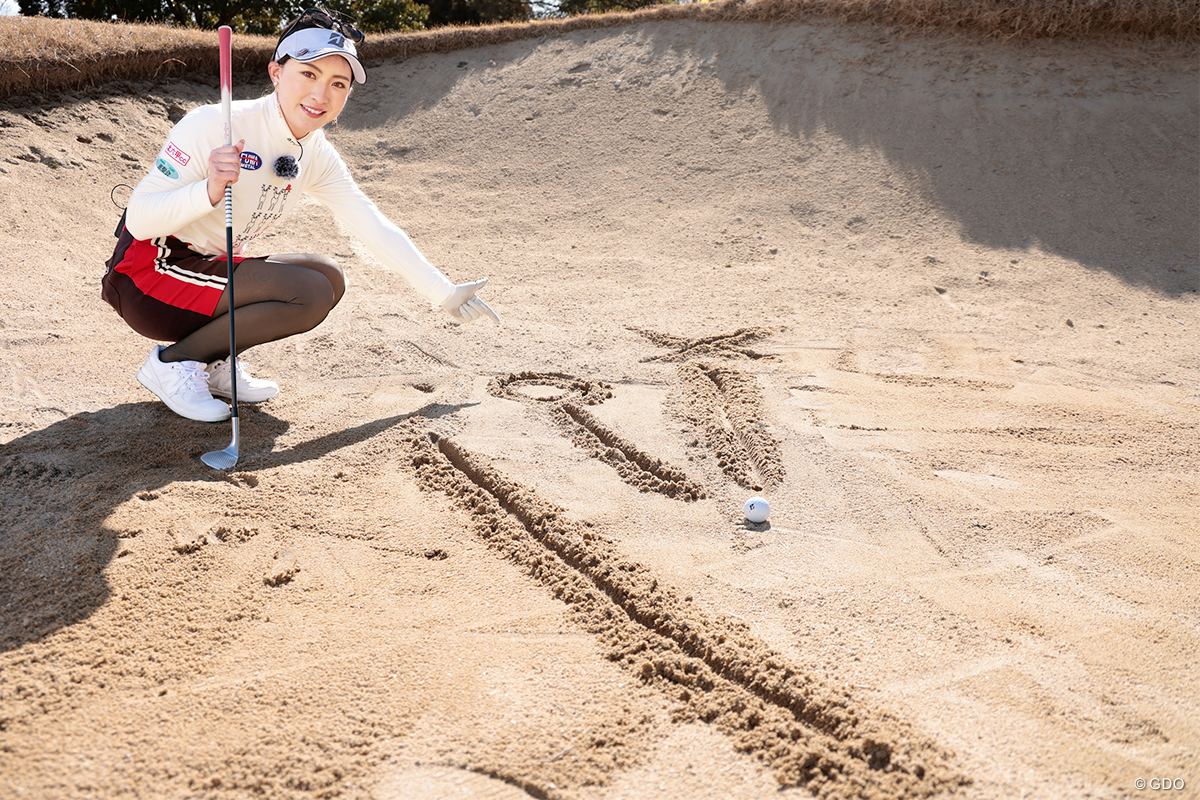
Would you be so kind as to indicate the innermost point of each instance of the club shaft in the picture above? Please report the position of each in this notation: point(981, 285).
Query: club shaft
point(229, 290)
point(228, 458)
point(225, 36)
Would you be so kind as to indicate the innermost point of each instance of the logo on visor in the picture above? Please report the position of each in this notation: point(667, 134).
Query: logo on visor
point(337, 40)
point(250, 160)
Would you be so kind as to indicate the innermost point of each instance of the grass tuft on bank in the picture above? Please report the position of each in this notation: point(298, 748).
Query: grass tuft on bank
point(41, 55)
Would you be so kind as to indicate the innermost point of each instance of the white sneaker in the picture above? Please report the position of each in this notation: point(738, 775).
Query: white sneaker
point(183, 386)
point(252, 390)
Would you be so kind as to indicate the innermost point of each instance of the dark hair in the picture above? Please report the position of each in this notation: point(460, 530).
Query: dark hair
point(294, 27)
point(333, 20)
point(291, 28)
point(320, 18)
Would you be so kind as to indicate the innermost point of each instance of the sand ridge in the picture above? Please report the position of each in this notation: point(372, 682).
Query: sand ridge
point(815, 736)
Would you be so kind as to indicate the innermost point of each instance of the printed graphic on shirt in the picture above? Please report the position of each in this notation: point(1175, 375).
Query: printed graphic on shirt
point(166, 169)
point(271, 200)
point(250, 160)
point(174, 152)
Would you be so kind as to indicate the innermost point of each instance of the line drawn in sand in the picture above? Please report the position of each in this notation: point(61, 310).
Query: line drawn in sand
point(812, 734)
point(724, 406)
point(567, 397)
point(634, 465)
point(549, 387)
point(420, 353)
point(732, 345)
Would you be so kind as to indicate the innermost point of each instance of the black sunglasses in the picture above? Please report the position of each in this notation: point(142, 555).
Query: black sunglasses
point(323, 19)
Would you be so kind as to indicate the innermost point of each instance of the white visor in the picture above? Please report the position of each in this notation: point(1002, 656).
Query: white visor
point(313, 43)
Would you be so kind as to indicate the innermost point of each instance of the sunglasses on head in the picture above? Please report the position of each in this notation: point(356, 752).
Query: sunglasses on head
point(324, 19)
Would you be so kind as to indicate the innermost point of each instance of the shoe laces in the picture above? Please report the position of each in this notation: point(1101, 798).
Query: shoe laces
point(192, 376)
point(222, 367)
point(220, 370)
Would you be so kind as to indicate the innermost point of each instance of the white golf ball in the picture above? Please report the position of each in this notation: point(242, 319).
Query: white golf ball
point(757, 509)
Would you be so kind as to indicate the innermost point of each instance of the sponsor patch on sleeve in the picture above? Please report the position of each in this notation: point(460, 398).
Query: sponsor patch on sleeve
point(250, 160)
point(166, 168)
point(174, 152)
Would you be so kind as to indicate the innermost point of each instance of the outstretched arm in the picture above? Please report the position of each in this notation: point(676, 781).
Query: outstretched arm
point(338, 192)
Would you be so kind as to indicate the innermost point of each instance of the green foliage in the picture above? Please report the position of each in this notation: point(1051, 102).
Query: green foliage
point(381, 16)
point(45, 8)
point(253, 16)
point(477, 12)
point(502, 10)
point(451, 12)
point(569, 8)
point(266, 17)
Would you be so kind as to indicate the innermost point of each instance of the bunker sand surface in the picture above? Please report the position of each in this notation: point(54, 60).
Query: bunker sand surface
point(935, 298)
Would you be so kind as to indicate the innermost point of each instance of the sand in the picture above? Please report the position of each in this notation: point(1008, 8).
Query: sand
point(934, 297)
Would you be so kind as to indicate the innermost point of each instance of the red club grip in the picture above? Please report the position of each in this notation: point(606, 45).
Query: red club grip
point(226, 36)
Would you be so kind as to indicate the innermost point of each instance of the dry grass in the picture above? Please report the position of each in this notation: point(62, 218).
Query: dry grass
point(1168, 20)
point(42, 55)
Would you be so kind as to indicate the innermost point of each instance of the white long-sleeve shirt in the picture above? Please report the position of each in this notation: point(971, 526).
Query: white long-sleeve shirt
point(172, 200)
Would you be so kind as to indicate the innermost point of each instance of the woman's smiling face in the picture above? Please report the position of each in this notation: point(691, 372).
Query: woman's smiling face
point(311, 93)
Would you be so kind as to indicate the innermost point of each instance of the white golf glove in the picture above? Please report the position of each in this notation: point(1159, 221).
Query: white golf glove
point(465, 306)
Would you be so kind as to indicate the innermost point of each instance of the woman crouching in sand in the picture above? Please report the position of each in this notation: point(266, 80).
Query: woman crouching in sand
point(168, 274)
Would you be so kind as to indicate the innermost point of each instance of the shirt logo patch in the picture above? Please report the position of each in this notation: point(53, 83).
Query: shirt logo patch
point(166, 169)
point(177, 154)
point(250, 160)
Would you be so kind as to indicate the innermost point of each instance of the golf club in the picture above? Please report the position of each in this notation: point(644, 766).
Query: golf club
point(227, 458)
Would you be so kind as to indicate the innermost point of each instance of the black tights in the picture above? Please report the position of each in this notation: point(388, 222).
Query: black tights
point(277, 297)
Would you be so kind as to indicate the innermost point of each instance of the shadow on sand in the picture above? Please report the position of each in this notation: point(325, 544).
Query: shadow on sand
point(1055, 146)
point(60, 484)
point(1077, 150)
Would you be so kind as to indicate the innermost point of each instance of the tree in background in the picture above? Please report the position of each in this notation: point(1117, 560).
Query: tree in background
point(266, 17)
point(502, 10)
point(45, 8)
point(477, 12)
point(570, 8)
point(381, 16)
